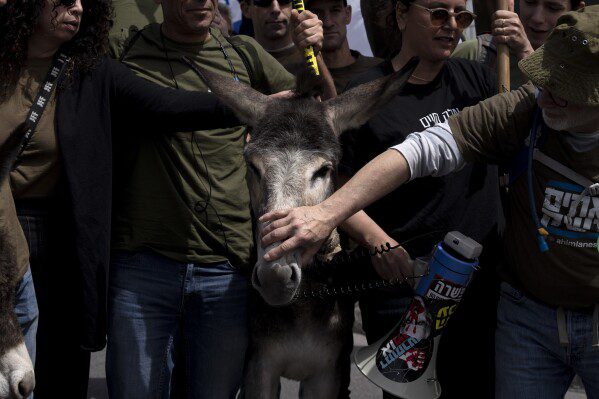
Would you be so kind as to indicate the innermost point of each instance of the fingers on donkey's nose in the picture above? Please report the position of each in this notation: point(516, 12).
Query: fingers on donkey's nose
point(273, 215)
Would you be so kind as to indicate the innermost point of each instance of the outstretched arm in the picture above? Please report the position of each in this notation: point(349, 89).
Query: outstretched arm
point(165, 108)
point(432, 152)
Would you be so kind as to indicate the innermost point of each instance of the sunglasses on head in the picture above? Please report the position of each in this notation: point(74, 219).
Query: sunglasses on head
point(267, 3)
point(439, 16)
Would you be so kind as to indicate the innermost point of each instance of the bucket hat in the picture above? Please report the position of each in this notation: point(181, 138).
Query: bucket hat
point(568, 62)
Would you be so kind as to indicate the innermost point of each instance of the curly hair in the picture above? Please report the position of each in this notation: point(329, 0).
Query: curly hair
point(18, 20)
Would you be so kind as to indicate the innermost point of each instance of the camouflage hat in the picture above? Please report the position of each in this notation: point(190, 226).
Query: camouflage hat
point(568, 62)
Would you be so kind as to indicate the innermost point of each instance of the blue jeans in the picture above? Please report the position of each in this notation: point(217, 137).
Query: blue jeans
point(27, 312)
point(530, 363)
point(159, 308)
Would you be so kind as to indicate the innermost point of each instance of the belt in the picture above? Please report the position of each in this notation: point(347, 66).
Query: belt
point(563, 329)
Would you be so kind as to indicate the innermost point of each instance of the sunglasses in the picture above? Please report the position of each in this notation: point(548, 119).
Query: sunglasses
point(439, 16)
point(267, 3)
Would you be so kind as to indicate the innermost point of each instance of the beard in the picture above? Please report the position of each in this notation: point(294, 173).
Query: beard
point(573, 122)
point(557, 123)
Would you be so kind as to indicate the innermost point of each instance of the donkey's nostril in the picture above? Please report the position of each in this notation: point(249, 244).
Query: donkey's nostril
point(294, 275)
point(27, 384)
point(283, 273)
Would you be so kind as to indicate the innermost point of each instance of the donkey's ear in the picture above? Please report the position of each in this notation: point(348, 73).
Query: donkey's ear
point(354, 107)
point(248, 104)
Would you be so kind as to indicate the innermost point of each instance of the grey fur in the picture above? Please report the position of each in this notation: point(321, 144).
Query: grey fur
point(292, 157)
point(10, 331)
point(17, 379)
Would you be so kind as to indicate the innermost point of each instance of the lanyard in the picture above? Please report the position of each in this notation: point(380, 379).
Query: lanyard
point(41, 100)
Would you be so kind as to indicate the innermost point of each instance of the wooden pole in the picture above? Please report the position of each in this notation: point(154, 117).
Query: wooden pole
point(503, 58)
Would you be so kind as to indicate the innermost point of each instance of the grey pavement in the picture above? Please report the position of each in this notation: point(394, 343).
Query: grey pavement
point(360, 387)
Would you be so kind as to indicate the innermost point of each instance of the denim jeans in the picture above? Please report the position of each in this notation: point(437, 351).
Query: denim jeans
point(530, 363)
point(27, 312)
point(159, 308)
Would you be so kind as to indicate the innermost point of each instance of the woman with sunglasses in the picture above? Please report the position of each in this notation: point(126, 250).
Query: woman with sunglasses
point(59, 99)
point(466, 201)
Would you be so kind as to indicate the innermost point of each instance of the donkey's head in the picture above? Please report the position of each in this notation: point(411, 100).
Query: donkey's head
point(293, 155)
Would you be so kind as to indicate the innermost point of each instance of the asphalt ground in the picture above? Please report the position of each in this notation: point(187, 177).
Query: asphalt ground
point(360, 386)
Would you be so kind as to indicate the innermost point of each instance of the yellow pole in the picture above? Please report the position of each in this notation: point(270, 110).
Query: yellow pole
point(308, 52)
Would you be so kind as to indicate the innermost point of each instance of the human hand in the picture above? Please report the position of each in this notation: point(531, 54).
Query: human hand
point(395, 264)
point(282, 95)
point(507, 28)
point(306, 30)
point(305, 227)
point(2, 2)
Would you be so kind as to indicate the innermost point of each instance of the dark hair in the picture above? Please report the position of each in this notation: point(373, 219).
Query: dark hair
point(18, 19)
point(574, 4)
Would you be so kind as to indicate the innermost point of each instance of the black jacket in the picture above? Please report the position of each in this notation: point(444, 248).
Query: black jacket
point(87, 112)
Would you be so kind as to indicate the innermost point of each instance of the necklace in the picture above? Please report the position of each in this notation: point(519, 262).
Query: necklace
point(421, 79)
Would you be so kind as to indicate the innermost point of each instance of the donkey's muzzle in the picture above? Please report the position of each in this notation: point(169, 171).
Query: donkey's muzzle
point(276, 282)
point(26, 384)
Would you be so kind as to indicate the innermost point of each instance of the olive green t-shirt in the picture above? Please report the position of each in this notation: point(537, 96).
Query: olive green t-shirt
point(38, 171)
point(470, 50)
point(131, 16)
point(342, 76)
point(568, 274)
point(291, 58)
point(185, 195)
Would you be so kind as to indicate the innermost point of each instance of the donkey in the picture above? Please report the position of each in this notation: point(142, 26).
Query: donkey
point(16, 370)
point(292, 159)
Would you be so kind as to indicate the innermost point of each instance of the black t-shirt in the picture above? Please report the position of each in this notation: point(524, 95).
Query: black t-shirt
point(466, 201)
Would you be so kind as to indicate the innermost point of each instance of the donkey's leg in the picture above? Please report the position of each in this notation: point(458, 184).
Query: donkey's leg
point(261, 380)
point(323, 385)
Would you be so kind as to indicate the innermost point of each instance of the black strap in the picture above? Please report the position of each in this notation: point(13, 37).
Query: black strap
point(44, 95)
point(253, 63)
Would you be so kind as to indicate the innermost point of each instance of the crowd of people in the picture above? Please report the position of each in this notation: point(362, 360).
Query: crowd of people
point(127, 202)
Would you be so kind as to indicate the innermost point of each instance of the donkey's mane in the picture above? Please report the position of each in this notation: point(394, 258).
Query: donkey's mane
point(307, 85)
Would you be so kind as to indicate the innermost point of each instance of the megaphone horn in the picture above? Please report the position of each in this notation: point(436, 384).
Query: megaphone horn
point(403, 362)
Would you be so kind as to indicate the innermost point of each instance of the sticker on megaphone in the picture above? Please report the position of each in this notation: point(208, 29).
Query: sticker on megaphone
point(403, 362)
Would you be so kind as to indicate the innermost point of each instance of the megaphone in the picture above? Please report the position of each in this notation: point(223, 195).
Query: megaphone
point(403, 362)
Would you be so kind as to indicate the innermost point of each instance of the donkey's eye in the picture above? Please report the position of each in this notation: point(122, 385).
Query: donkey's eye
point(322, 172)
point(255, 171)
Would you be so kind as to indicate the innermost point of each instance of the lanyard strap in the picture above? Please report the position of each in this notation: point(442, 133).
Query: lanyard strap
point(44, 95)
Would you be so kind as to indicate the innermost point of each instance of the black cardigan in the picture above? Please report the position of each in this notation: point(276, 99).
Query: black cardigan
point(87, 111)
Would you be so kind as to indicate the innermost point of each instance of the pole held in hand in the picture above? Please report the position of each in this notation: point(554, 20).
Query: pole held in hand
point(503, 58)
point(309, 51)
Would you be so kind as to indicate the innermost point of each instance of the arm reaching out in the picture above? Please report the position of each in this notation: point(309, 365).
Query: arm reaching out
point(432, 152)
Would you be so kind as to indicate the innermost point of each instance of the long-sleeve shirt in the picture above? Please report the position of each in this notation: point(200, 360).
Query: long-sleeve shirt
point(494, 131)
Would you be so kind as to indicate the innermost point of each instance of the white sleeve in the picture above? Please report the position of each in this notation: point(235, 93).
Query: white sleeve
point(432, 152)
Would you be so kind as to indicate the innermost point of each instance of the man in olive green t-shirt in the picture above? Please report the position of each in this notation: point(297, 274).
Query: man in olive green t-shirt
point(522, 32)
point(182, 228)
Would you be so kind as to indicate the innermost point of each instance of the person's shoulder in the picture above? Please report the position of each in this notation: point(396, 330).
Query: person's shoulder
point(365, 59)
point(461, 67)
point(141, 41)
point(467, 50)
point(377, 71)
point(243, 40)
